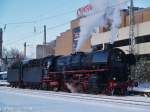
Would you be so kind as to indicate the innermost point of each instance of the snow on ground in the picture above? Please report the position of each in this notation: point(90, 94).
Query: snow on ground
point(19, 100)
point(3, 83)
point(144, 87)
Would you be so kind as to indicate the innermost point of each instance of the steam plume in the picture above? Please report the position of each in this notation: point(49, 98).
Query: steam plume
point(105, 13)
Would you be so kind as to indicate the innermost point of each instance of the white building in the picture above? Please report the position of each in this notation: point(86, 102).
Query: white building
point(142, 35)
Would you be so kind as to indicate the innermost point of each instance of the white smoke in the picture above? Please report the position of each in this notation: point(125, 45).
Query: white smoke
point(105, 13)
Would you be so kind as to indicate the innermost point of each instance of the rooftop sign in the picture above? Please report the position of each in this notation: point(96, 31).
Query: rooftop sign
point(84, 11)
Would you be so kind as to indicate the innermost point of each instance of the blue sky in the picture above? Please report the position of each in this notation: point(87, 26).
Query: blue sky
point(23, 16)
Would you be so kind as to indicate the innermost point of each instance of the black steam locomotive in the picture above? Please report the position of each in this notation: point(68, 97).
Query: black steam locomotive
point(101, 71)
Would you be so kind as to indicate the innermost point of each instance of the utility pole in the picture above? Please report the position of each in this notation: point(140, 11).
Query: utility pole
point(44, 41)
point(1, 42)
point(132, 42)
point(25, 48)
point(132, 29)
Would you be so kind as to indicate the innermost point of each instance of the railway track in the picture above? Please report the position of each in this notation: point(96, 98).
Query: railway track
point(100, 98)
point(134, 100)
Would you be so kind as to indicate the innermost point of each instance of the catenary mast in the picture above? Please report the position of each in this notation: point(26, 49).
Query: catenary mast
point(132, 29)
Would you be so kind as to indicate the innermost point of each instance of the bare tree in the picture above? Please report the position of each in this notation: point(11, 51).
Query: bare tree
point(4, 52)
point(12, 53)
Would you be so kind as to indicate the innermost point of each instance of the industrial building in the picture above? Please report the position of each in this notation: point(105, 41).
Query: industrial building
point(45, 49)
point(66, 43)
point(142, 34)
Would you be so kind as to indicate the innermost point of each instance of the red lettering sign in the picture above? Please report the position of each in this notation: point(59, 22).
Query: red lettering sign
point(83, 11)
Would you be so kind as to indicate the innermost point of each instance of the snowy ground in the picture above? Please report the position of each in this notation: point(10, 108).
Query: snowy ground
point(144, 87)
point(3, 83)
point(19, 100)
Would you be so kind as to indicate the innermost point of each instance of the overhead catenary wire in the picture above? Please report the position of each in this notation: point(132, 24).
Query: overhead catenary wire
point(35, 34)
point(42, 16)
point(40, 19)
point(36, 21)
point(50, 17)
point(56, 26)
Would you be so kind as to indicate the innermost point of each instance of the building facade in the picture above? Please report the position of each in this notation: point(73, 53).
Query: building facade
point(44, 50)
point(66, 43)
point(142, 34)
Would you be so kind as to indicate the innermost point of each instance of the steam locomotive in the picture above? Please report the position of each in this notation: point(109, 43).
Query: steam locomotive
point(100, 71)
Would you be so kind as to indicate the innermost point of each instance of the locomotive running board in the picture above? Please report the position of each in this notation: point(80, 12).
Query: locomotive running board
point(81, 71)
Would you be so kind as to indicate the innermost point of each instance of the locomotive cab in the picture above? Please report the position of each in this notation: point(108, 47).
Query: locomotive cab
point(48, 63)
